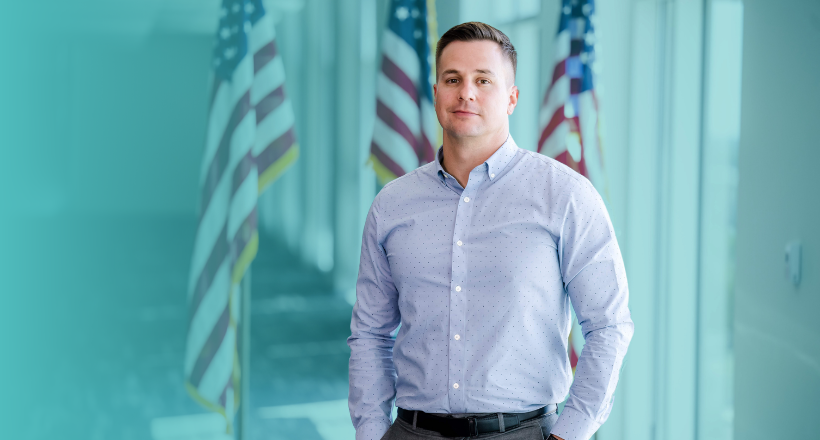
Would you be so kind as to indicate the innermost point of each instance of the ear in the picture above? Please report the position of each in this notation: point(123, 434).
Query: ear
point(513, 100)
point(434, 92)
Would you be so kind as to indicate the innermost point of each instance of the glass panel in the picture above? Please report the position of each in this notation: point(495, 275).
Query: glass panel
point(719, 193)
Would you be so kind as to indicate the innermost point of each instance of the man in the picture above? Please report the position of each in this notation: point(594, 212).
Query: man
point(478, 255)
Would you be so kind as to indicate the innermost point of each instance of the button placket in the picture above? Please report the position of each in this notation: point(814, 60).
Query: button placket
point(459, 293)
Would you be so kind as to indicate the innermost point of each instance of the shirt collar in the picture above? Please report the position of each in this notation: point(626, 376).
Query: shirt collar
point(494, 164)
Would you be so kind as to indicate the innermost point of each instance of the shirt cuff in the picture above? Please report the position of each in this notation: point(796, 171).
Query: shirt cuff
point(574, 425)
point(372, 430)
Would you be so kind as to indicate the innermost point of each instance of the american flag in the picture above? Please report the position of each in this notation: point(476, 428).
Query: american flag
point(569, 119)
point(569, 113)
point(249, 142)
point(405, 130)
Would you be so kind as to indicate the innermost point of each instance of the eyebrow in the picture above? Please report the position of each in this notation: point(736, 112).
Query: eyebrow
point(482, 71)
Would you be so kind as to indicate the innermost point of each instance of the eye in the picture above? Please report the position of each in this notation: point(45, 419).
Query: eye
point(484, 81)
point(450, 80)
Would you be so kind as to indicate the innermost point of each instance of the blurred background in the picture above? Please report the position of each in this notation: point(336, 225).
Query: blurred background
point(709, 135)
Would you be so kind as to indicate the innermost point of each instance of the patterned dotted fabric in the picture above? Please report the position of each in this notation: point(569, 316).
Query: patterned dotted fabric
point(480, 279)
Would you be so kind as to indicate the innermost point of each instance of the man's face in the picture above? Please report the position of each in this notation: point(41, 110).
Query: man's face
point(475, 91)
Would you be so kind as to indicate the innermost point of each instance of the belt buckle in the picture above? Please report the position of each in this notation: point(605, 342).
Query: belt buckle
point(472, 426)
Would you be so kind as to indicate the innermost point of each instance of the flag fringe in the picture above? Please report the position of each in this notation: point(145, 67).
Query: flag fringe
point(210, 406)
point(382, 173)
point(277, 168)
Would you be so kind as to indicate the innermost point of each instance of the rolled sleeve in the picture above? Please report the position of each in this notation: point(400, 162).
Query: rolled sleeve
point(595, 279)
point(375, 316)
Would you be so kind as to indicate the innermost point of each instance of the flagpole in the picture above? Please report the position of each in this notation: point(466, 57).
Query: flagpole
point(243, 422)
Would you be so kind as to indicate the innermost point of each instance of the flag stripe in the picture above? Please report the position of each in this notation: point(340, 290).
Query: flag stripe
point(208, 309)
point(278, 121)
point(402, 55)
point(426, 151)
point(399, 102)
point(269, 103)
point(210, 227)
point(219, 163)
point(557, 118)
point(386, 160)
point(220, 367)
point(557, 73)
point(240, 241)
point(205, 278)
point(429, 128)
point(269, 78)
point(557, 141)
point(396, 123)
point(227, 96)
point(241, 171)
point(394, 145)
point(243, 202)
point(558, 96)
point(276, 149)
point(397, 76)
point(233, 252)
point(245, 247)
point(209, 349)
point(241, 145)
point(264, 55)
point(261, 33)
point(218, 254)
point(275, 168)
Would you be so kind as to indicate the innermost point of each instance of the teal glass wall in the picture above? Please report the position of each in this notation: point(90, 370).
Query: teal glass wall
point(709, 138)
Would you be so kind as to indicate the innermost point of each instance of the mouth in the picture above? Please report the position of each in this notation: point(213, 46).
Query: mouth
point(464, 113)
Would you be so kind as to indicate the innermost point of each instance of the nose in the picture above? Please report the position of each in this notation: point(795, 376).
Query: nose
point(466, 92)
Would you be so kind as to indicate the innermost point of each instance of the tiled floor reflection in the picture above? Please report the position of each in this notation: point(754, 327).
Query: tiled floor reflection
point(113, 370)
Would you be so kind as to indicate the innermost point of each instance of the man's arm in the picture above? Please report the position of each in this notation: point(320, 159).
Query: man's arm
point(375, 316)
point(595, 279)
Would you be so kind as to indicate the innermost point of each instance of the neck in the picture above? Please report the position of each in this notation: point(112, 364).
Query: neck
point(462, 154)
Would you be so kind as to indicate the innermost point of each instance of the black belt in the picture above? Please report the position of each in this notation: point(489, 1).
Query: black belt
point(468, 426)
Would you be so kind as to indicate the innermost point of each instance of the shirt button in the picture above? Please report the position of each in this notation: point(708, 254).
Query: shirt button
point(456, 337)
point(466, 199)
point(455, 385)
point(459, 243)
point(492, 175)
point(458, 288)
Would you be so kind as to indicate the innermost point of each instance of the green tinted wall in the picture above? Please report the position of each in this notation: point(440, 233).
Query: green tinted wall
point(776, 330)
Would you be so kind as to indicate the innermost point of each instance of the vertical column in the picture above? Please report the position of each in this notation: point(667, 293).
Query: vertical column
point(348, 164)
point(637, 389)
point(319, 133)
point(719, 180)
point(684, 107)
point(661, 246)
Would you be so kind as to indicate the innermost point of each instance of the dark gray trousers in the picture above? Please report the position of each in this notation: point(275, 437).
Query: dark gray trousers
point(534, 429)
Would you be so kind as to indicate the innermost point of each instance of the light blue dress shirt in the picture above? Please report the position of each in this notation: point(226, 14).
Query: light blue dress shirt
point(481, 280)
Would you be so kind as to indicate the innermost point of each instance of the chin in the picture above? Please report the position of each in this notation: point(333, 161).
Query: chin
point(466, 130)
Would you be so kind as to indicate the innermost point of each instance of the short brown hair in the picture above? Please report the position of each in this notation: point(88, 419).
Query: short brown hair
point(476, 31)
